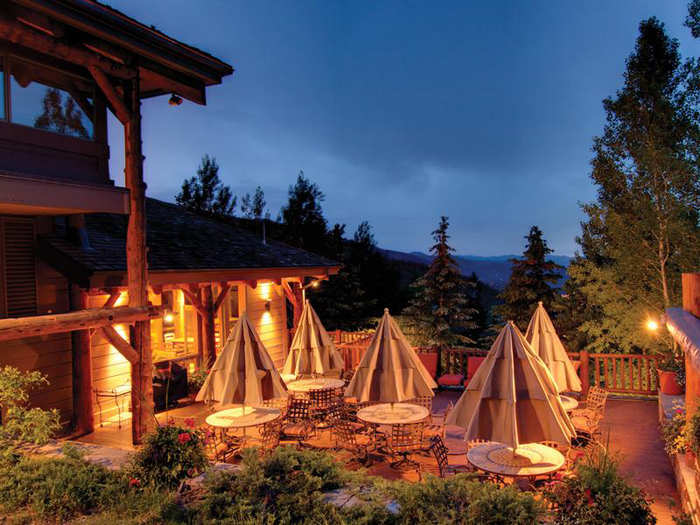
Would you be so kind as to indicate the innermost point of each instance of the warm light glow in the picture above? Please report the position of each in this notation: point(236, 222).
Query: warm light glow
point(169, 318)
point(190, 368)
point(652, 325)
point(315, 284)
point(266, 318)
point(121, 300)
point(115, 357)
point(265, 289)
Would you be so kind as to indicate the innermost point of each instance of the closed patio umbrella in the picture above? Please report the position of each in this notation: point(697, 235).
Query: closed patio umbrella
point(312, 350)
point(390, 371)
point(512, 397)
point(243, 372)
point(545, 342)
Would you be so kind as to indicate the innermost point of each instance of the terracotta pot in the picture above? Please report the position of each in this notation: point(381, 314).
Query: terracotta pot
point(668, 383)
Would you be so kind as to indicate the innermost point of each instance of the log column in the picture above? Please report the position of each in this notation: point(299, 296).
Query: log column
point(83, 421)
point(136, 265)
point(208, 330)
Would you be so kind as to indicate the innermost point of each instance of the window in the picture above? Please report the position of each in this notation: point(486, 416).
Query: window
point(17, 267)
point(46, 99)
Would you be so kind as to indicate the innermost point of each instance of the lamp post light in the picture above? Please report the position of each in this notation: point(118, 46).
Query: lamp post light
point(313, 283)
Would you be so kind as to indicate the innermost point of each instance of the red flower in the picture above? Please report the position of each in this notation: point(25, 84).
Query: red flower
point(679, 411)
point(591, 501)
point(189, 422)
point(184, 437)
point(134, 482)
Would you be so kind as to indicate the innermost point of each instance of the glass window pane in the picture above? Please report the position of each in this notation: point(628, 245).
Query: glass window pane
point(46, 100)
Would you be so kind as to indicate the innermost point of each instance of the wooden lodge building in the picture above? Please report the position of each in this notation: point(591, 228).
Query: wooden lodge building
point(96, 281)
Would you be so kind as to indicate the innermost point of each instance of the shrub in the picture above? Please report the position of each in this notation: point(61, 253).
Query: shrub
point(195, 380)
point(463, 500)
point(286, 487)
point(597, 494)
point(673, 431)
point(56, 489)
point(22, 425)
point(692, 432)
point(169, 455)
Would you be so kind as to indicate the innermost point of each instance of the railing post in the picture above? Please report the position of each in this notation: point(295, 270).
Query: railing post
point(583, 372)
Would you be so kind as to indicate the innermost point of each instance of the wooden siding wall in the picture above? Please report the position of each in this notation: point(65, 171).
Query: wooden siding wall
point(271, 326)
point(51, 354)
point(109, 367)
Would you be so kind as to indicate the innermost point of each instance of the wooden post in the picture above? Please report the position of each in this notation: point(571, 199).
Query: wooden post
point(298, 303)
point(83, 421)
point(583, 372)
point(136, 266)
point(208, 327)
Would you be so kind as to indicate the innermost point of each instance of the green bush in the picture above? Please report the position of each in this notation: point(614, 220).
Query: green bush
point(674, 432)
point(169, 455)
point(463, 500)
point(286, 487)
point(692, 432)
point(597, 494)
point(22, 425)
point(56, 489)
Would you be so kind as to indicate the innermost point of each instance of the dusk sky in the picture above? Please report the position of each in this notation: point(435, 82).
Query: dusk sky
point(402, 112)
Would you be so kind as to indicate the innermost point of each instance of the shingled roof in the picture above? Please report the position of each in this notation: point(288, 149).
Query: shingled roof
point(177, 240)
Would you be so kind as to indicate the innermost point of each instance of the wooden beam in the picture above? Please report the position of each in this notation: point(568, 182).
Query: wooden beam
point(110, 93)
point(192, 298)
point(252, 283)
point(112, 299)
point(83, 413)
point(225, 287)
point(290, 295)
point(121, 344)
point(23, 35)
point(21, 327)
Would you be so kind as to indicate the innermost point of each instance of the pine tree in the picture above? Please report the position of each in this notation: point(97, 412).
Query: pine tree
point(531, 280)
point(440, 313)
point(303, 217)
point(254, 207)
point(205, 193)
point(642, 231)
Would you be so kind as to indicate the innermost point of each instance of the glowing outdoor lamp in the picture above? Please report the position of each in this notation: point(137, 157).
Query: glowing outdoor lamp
point(652, 325)
point(169, 318)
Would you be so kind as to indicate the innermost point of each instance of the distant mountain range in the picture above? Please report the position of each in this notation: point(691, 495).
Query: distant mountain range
point(493, 270)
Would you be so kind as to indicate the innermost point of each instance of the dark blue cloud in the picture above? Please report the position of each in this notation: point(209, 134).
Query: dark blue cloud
point(402, 111)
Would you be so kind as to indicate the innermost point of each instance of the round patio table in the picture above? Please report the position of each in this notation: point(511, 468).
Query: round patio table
point(569, 403)
point(243, 416)
point(316, 383)
point(533, 459)
point(392, 413)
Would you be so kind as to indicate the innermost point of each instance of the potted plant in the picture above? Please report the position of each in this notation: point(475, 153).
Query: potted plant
point(195, 381)
point(671, 372)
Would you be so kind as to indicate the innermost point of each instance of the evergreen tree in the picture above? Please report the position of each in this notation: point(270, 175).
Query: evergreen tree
point(254, 207)
point(303, 216)
point(531, 280)
point(205, 193)
point(440, 313)
point(643, 229)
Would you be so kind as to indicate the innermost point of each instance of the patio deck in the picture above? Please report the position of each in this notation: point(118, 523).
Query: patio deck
point(630, 428)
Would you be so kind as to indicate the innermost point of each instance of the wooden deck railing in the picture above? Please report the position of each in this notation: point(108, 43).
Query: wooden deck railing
point(617, 373)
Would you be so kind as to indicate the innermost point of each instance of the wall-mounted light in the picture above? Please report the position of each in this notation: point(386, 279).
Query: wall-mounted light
point(174, 100)
point(168, 318)
point(267, 306)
